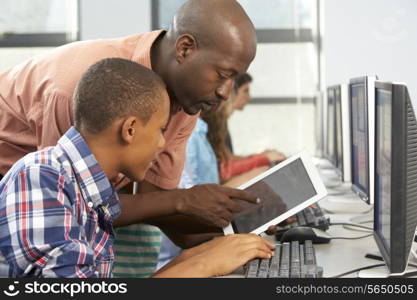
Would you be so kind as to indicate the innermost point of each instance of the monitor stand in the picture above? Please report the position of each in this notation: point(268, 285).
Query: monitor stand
point(379, 272)
point(341, 189)
point(331, 180)
point(383, 272)
point(322, 163)
point(344, 204)
point(368, 216)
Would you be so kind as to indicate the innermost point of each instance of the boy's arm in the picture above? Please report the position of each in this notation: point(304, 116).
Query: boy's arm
point(218, 257)
point(41, 236)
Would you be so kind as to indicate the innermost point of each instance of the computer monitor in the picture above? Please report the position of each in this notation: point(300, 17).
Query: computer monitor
point(330, 153)
point(362, 120)
point(342, 136)
point(395, 207)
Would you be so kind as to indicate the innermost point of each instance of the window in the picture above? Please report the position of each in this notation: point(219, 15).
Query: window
point(33, 23)
point(287, 67)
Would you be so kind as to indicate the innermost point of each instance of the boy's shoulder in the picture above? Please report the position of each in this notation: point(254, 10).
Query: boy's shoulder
point(50, 160)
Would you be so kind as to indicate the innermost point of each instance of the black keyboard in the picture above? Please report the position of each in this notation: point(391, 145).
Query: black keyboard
point(311, 216)
point(291, 260)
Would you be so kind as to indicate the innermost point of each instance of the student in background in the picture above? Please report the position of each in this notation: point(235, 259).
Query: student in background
point(231, 166)
point(58, 206)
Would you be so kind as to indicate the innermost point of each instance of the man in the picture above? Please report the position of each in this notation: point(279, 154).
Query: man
point(57, 205)
point(208, 44)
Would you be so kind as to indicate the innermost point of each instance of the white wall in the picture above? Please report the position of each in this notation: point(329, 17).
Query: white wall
point(286, 127)
point(114, 18)
point(98, 19)
point(278, 70)
point(371, 37)
point(10, 57)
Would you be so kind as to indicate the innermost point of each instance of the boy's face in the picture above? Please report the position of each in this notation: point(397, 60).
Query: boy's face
point(148, 143)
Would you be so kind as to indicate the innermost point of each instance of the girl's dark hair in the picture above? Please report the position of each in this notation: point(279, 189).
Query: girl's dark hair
point(216, 120)
point(241, 79)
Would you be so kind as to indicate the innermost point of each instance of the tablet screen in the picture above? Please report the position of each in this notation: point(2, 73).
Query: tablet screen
point(279, 192)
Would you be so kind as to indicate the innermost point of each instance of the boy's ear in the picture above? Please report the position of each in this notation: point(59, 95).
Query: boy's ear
point(130, 127)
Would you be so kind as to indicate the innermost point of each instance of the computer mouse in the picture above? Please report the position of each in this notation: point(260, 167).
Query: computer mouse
point(303, 233)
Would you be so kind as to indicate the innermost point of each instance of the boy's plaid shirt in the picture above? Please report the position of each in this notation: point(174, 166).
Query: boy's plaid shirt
point(56, 212)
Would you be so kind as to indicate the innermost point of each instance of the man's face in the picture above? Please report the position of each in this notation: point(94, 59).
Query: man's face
point(206, 78)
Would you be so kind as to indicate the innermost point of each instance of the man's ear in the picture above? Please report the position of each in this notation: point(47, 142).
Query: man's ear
point(129, 129)
point(185, 46)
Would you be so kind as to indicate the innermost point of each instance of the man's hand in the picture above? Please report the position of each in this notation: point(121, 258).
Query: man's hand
point(273, 228)
point(213, 204)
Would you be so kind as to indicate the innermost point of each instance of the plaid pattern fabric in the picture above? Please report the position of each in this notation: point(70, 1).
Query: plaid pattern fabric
point(56, 212)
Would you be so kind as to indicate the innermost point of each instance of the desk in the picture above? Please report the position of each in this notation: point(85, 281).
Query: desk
point(340, 256)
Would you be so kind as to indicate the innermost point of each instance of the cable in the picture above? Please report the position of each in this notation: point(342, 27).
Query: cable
point(352, 224)
point(358, 269)
point(351, 238)
point(408, 274)
point(374, 256)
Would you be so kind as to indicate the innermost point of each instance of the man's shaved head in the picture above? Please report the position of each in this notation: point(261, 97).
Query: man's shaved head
point(208, 43)
point(212, 21)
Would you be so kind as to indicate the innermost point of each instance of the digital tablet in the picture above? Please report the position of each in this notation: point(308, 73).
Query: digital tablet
point(284, 190)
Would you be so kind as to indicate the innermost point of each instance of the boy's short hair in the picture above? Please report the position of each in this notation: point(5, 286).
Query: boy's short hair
point(113, 88)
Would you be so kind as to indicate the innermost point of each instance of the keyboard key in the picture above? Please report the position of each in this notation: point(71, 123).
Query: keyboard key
point(309, 216)
point(285, 256)
point(295, 254)
point(301, 219)
point(252, 268)
point(302, 255)
point(309, 255)
point(263, 268)
point(291, 260)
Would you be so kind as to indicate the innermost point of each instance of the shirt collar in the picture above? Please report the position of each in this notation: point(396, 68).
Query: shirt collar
point(93, 182)
point(201, 126)
point(142, 53)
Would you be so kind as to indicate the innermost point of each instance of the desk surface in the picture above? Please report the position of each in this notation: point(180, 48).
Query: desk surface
point(340, 256)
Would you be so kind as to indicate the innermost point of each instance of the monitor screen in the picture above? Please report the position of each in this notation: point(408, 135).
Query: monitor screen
point(383, 166)
point(359, 121)
point(331, 151)
point(338, 135)
point(279, 192)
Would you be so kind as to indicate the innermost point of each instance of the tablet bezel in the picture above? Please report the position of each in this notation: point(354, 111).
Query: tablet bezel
point(315, 178)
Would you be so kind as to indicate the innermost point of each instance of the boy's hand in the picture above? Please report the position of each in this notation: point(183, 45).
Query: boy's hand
point(224, 255)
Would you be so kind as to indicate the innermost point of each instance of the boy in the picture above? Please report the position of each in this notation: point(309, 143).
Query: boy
point(57, 205)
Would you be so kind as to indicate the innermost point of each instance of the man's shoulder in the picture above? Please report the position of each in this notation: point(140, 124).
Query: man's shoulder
point(183, 120)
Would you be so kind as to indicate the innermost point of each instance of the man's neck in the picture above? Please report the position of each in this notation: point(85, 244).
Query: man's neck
point(160, 59)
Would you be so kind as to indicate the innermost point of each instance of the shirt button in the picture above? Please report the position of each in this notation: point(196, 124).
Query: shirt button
point(90, 204)
point(97, 229)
